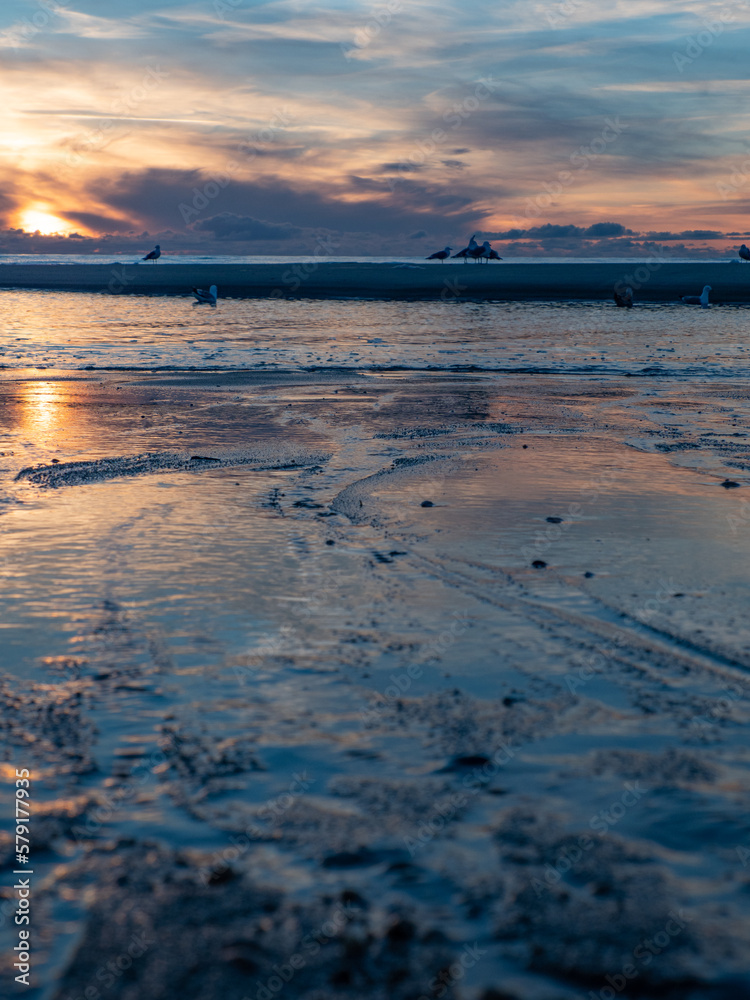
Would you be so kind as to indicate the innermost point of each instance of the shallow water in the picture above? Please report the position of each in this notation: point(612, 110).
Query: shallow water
point(258, 626)
point(78, 330)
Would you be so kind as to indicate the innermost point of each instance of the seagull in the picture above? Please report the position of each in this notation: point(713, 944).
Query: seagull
point(624, 299)
point(488, 253)
point(698, 300)
point(204, 297)
point(440, 255)
point(467, 251)
point(154, 255)
point(744, 252)
point(476, 253)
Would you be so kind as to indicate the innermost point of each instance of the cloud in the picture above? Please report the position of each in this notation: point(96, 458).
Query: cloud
point(87, 26)
point(167, 198)
point(339, 108)
point(147, 196)
point(400, 168)
point(549, 231)
point(238, 227)
point(601, 229)
point(98, 223)
point(8, 200)
point(688, 234)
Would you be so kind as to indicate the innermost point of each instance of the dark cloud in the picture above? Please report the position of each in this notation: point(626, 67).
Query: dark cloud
point(18, 241)
point(614, 247)
point(178, 199)
point(151, 196)
point(368, 184)
point(276, 152)
point(602, 229)
point(688, 234)
point(8, 201)
point(400, 168)
point(238, 227)
point(546, 231)
point(98, 223)
point(598, 230)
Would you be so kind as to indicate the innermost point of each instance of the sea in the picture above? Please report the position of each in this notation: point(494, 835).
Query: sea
point(60, 330)
point(175, 258)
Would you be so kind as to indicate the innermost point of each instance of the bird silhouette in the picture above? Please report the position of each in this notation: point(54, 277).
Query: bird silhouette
point(488, 253)
point(476, 253)
point(440, 255)
point(467, 251)
point(154, 255)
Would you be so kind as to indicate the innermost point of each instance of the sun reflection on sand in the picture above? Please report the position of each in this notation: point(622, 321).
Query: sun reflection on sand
point(43, 410)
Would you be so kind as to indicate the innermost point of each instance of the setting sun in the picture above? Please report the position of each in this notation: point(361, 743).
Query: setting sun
point(33, 220)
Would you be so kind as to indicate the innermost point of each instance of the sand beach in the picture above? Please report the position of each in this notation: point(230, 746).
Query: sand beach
point(369, 680)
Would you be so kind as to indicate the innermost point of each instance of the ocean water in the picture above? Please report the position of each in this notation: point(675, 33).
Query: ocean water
point(179, 258)
point(277, 578)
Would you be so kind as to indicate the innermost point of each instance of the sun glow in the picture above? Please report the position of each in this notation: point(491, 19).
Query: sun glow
point(33, 220)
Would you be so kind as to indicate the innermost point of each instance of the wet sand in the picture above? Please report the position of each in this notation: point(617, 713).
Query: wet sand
point(483, 733)
point(653, 281)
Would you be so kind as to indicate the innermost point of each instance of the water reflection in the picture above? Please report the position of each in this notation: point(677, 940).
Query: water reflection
point(41, 407)
point(42, 412)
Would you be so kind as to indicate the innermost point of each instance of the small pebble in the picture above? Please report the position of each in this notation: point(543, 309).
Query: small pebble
point(539, 564)
point(729, 484)
point(427, 503)
point(468, 760)
point(554, 520)
point(588, 574)
point(330, 541)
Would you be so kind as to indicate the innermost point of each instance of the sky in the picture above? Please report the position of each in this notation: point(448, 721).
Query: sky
point(242, 126)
